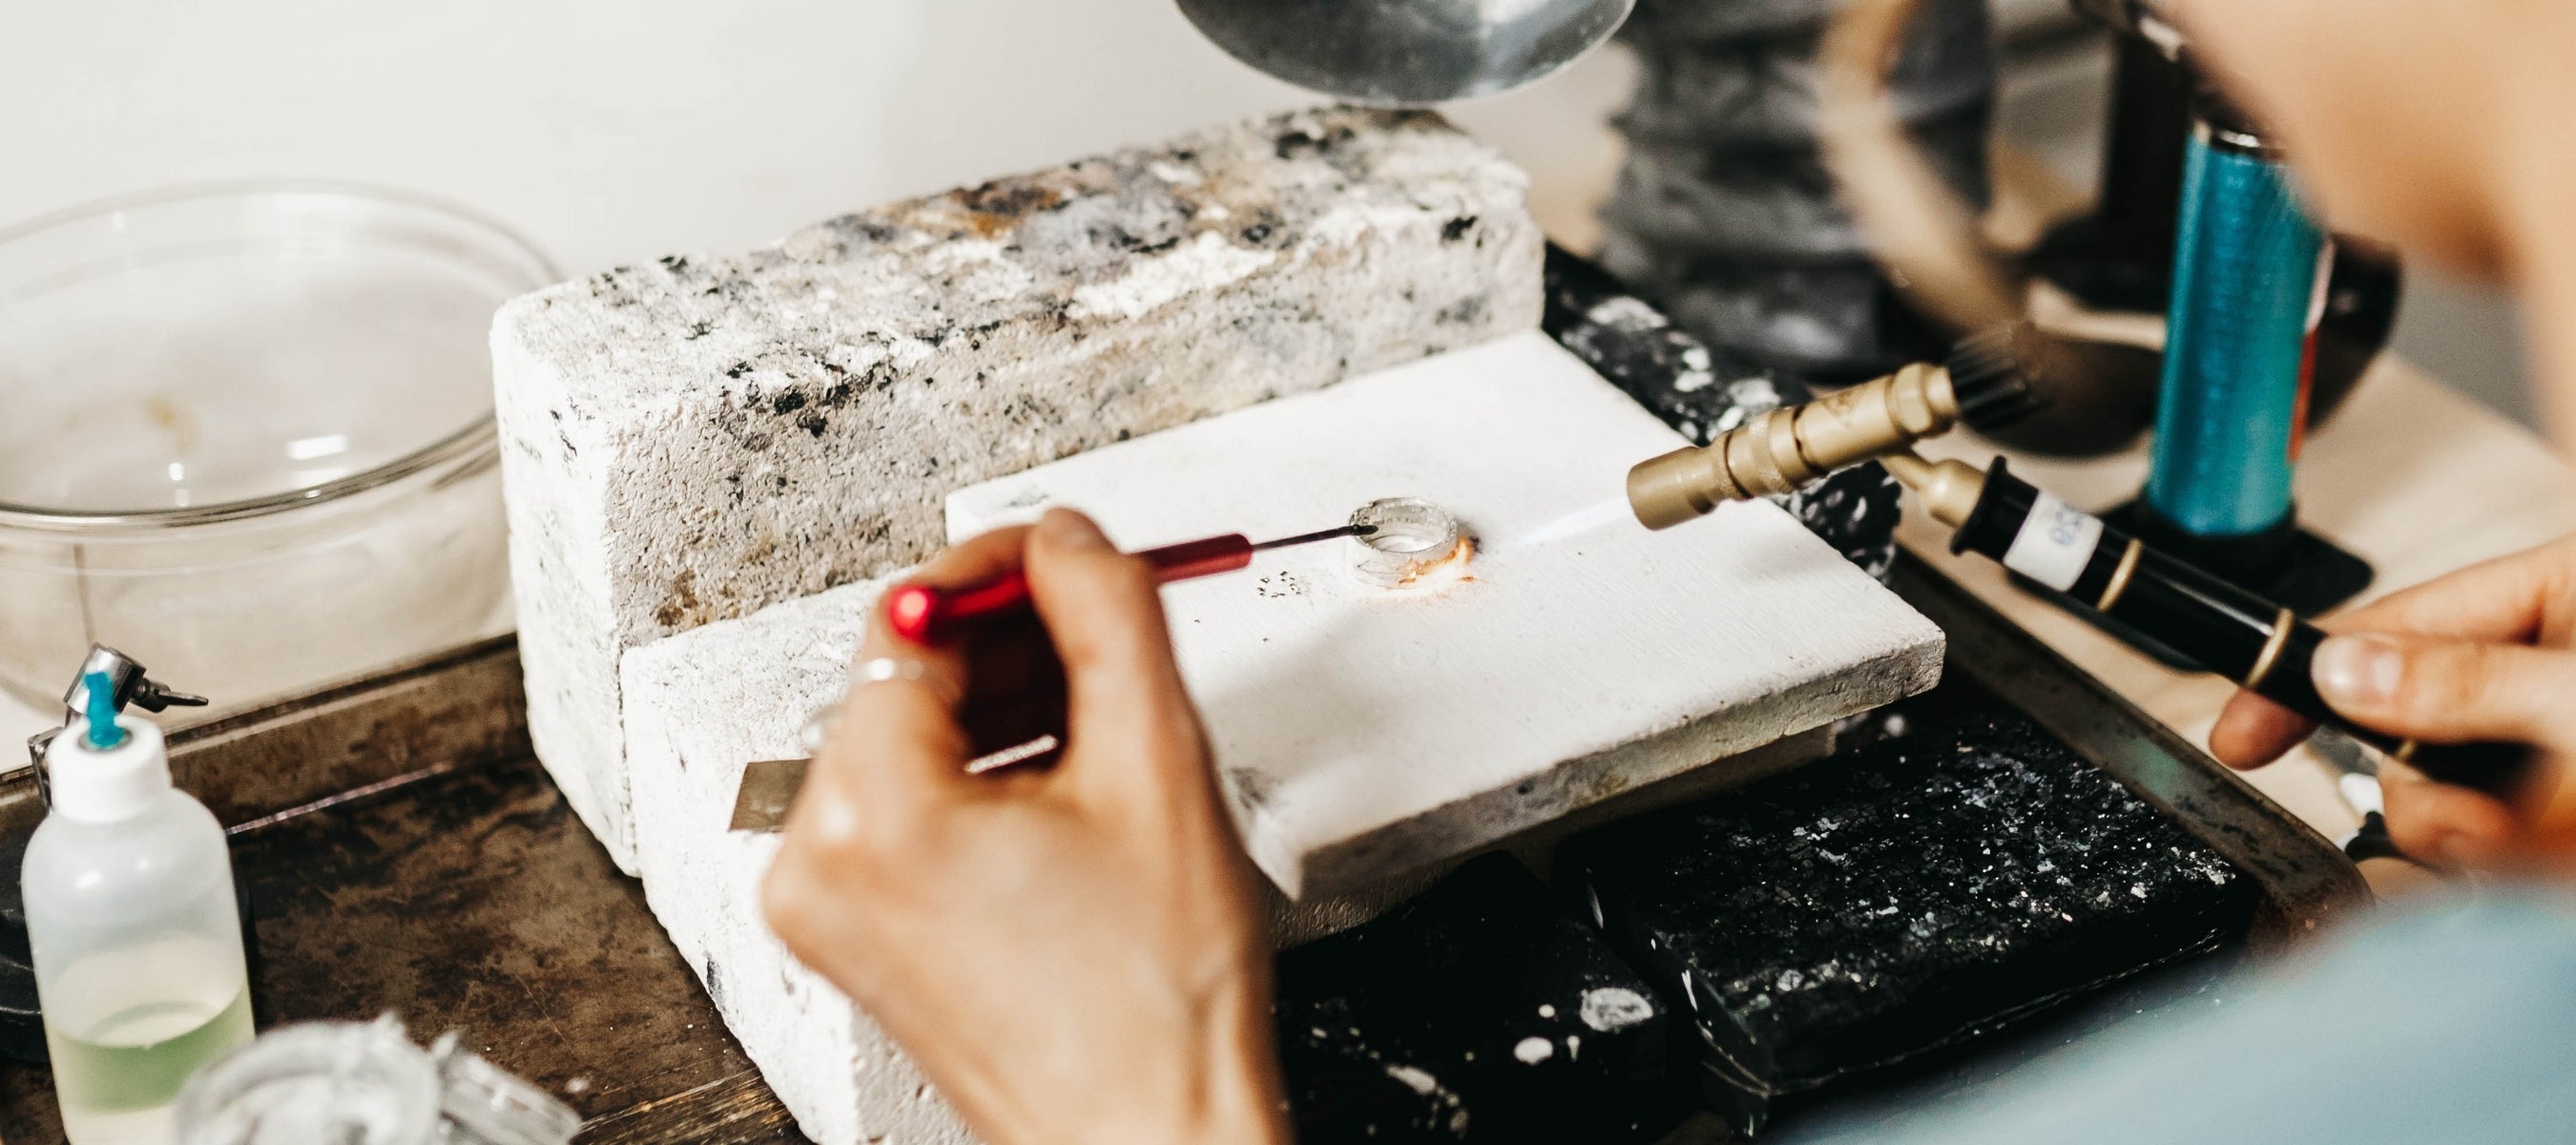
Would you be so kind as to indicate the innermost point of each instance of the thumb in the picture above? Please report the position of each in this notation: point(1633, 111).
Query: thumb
point(1103, 612)
point(2450, 691)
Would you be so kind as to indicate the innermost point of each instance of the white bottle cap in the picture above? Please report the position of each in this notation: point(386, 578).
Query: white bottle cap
point(95, 785)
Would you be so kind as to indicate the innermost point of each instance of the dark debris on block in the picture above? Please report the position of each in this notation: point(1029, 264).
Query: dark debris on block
point(1853, 918)
point(1477, 1012)
point(1702, 391)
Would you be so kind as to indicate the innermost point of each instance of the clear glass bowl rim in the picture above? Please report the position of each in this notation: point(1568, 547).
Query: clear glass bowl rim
point(477, 440)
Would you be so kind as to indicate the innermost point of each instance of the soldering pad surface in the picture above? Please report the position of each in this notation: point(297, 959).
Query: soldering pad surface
point(1363, 732)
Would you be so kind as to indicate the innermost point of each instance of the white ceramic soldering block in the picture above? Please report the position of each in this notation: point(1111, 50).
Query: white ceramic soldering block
point(694, 439)
point(699, 707)
point(1363, 732)
point(702, 705)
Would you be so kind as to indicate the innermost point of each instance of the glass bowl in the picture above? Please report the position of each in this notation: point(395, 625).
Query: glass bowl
point(246, 435)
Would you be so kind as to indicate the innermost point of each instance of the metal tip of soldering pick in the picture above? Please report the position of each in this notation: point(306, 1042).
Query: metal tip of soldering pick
point(1351, 530)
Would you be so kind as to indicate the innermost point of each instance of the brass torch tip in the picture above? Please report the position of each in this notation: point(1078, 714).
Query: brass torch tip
point(1949, 489)
point(1779, 452)
point(1671, 489)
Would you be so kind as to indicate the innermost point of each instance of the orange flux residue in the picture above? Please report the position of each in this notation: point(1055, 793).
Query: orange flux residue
point(1442, 571)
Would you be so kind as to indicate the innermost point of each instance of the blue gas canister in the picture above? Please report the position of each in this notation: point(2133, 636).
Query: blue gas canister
point(2248, 288)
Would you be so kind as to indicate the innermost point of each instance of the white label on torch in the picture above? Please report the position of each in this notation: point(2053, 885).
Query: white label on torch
point(2055, 542)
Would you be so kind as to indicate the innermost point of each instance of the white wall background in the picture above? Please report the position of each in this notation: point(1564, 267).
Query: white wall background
point(615, 131)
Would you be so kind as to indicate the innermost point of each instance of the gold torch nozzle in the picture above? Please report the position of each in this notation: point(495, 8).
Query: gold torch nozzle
point(1785, 450)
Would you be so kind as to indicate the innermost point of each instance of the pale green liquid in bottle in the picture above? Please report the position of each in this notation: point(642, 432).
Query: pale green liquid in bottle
point(117, 1078)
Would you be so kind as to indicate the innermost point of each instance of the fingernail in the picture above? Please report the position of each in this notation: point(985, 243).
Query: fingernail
point(1064, 528)
point(2358, 671)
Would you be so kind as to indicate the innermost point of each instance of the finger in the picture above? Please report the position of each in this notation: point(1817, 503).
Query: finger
point(2449, 691)
point(899, 742)
point(964, 565)
point(2504, 600)
point(998, 657)
point(2442, 824)
point(1103, 612)
point(2253, 731)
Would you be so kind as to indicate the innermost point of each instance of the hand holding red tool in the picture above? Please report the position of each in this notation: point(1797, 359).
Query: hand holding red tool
point(921, 613)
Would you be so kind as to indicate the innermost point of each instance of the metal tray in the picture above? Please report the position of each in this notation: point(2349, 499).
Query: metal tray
point(2305, 879)
point(405, 853)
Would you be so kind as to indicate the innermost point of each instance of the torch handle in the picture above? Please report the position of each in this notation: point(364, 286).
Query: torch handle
point(2265, 648)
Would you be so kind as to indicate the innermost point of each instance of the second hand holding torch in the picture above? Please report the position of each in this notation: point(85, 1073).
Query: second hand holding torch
point(2266, 648)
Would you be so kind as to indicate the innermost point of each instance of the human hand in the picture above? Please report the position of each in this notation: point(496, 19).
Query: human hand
point(1071, 953)
point(2487, 653)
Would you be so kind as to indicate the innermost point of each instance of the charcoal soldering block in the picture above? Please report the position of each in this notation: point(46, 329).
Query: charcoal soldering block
point(1895, 902)
point(1478, 1012)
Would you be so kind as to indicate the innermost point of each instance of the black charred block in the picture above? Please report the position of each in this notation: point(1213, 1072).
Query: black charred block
point(1702, 390)
point(1478, 1012)
point(1856, 512)
point(1697, 389)
point(1896, 902)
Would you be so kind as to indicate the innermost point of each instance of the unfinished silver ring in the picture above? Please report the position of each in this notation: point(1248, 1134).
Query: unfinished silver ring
point(1411, 537)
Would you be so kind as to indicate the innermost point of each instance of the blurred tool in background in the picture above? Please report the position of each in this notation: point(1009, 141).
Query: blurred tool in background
point(1725, 211)
point(1407, 51)
point(2248, 294)
point(2119, 256)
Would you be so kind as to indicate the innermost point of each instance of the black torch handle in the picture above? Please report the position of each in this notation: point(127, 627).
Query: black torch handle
point(2262, 646)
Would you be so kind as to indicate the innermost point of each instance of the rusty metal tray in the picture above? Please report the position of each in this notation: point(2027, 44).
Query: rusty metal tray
point(404, 852)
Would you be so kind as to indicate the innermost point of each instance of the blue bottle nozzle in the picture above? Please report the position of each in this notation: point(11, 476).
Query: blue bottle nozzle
point(99, 705)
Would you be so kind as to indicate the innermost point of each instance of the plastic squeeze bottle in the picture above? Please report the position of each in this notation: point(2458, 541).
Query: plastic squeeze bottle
point(131, 917)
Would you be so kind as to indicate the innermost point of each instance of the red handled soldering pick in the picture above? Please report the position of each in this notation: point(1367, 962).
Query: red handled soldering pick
point(921, 613)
